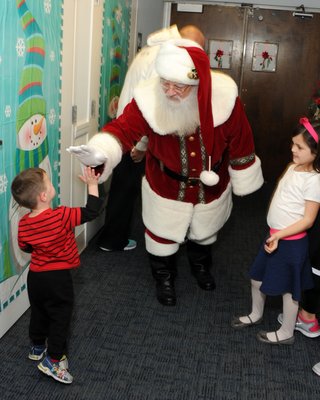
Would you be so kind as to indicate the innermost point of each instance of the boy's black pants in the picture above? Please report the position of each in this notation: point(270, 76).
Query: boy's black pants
point(51, 299)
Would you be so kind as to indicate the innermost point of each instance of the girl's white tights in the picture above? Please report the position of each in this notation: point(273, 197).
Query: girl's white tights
point(258, 301)
point(290, 312)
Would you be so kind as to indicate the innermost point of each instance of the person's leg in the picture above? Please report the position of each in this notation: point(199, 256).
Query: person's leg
point(162, 259)
point(39, 323)
point(258, 302)
point(59, 306)
point(200, 259)
point(290, 311)
point(124, 190)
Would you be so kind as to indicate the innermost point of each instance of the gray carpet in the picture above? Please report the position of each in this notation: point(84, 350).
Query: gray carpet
point(125, 346)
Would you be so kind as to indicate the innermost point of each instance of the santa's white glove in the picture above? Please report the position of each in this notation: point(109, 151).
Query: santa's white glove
point(88, 155)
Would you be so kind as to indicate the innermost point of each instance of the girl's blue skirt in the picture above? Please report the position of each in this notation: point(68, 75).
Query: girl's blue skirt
point(286, 270)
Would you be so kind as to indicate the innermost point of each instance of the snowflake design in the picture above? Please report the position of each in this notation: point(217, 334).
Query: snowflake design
point(7, 111)
point(111, 52)
point(52, 116)
point(118, 14)
point(123, 26)
point(108, 21)
point(47, 6)
point(56, 165)
point(52, 55)
point(3, 183)
point(20, 47)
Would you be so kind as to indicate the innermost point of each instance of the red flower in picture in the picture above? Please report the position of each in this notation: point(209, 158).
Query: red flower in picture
point(266, 60)
point(218, 57)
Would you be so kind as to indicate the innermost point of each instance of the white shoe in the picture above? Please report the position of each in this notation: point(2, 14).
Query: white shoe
point(316, 368)
point(132, 244)
point(310, 329)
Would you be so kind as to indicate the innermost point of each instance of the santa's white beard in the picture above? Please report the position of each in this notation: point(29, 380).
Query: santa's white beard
point(178, 116)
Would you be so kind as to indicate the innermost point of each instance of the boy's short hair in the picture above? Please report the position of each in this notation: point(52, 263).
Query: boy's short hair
point(27, 185)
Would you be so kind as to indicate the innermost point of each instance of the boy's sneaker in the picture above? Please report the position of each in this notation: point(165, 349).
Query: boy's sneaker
point(56, 370)
point(64, 364)
point(310, 329)
point(37, 352)
point(132, 244)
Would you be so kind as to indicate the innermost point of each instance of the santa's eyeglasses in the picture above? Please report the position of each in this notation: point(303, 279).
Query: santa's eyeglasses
point(168, 85)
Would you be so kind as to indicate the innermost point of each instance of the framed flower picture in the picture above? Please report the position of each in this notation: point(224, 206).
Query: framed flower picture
point(265, 57)
point(220, 53)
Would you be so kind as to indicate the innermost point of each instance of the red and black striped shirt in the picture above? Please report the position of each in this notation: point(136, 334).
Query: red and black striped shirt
point(49, 236)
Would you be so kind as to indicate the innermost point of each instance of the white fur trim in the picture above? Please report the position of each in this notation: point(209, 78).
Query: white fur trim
point(209, 218)
point(174, 63)
point(246, 181)
point(161, 36)
point(171, 219)
point(110, 147)
point(224, 94)
point(160, 249)
point(168, 219)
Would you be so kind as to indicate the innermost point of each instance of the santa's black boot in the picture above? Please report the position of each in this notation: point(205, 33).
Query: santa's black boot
point(164, 272)
point(200, 260)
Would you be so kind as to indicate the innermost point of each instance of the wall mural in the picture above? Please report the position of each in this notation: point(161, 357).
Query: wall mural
point(114, 56)
point(30, 58)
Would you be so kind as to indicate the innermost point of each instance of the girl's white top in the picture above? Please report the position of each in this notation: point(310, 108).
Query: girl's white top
point(288, 202)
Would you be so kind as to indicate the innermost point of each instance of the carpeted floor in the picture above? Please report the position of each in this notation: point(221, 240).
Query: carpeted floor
point(125, 346)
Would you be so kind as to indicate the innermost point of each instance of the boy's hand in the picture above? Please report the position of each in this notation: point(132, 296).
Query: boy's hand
point(89, 176)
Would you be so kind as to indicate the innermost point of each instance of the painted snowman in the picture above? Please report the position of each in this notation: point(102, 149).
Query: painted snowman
point(31, 128)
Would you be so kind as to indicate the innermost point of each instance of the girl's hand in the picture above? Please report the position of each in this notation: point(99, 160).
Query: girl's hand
point(89, 176)
point(271, 244)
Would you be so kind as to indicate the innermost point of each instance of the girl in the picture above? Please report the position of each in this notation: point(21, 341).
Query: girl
point(282, 265)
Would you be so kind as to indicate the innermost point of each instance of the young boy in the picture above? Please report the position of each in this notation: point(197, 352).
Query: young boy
point(48, 235)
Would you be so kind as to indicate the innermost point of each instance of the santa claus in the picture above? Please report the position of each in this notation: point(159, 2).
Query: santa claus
point(200, 150)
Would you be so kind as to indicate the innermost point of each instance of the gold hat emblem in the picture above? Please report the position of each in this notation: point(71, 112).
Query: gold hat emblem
point(193, 74)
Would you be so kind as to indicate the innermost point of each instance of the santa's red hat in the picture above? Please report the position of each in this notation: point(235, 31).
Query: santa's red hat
point(184, 61)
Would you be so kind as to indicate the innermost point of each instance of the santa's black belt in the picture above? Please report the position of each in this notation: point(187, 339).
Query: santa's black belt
point(190, 180)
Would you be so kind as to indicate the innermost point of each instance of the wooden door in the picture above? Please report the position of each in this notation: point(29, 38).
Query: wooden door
point(274, 101)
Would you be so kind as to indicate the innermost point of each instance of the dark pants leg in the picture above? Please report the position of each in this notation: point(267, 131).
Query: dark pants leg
point(124, 191)
point(200, 259)
point(51, 299)
point(310, 301)
point(164, 272)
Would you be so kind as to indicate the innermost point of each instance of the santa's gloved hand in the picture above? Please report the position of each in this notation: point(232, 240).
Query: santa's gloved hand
point(88, 155)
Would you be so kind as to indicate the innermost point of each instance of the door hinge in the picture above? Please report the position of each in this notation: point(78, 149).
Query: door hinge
point(74, 114)
point(93, 108)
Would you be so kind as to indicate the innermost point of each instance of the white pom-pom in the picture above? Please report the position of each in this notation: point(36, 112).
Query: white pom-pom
point(209, 178)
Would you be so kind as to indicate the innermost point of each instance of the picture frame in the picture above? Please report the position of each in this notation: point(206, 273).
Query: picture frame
point(220, 53)
point(264, 58)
